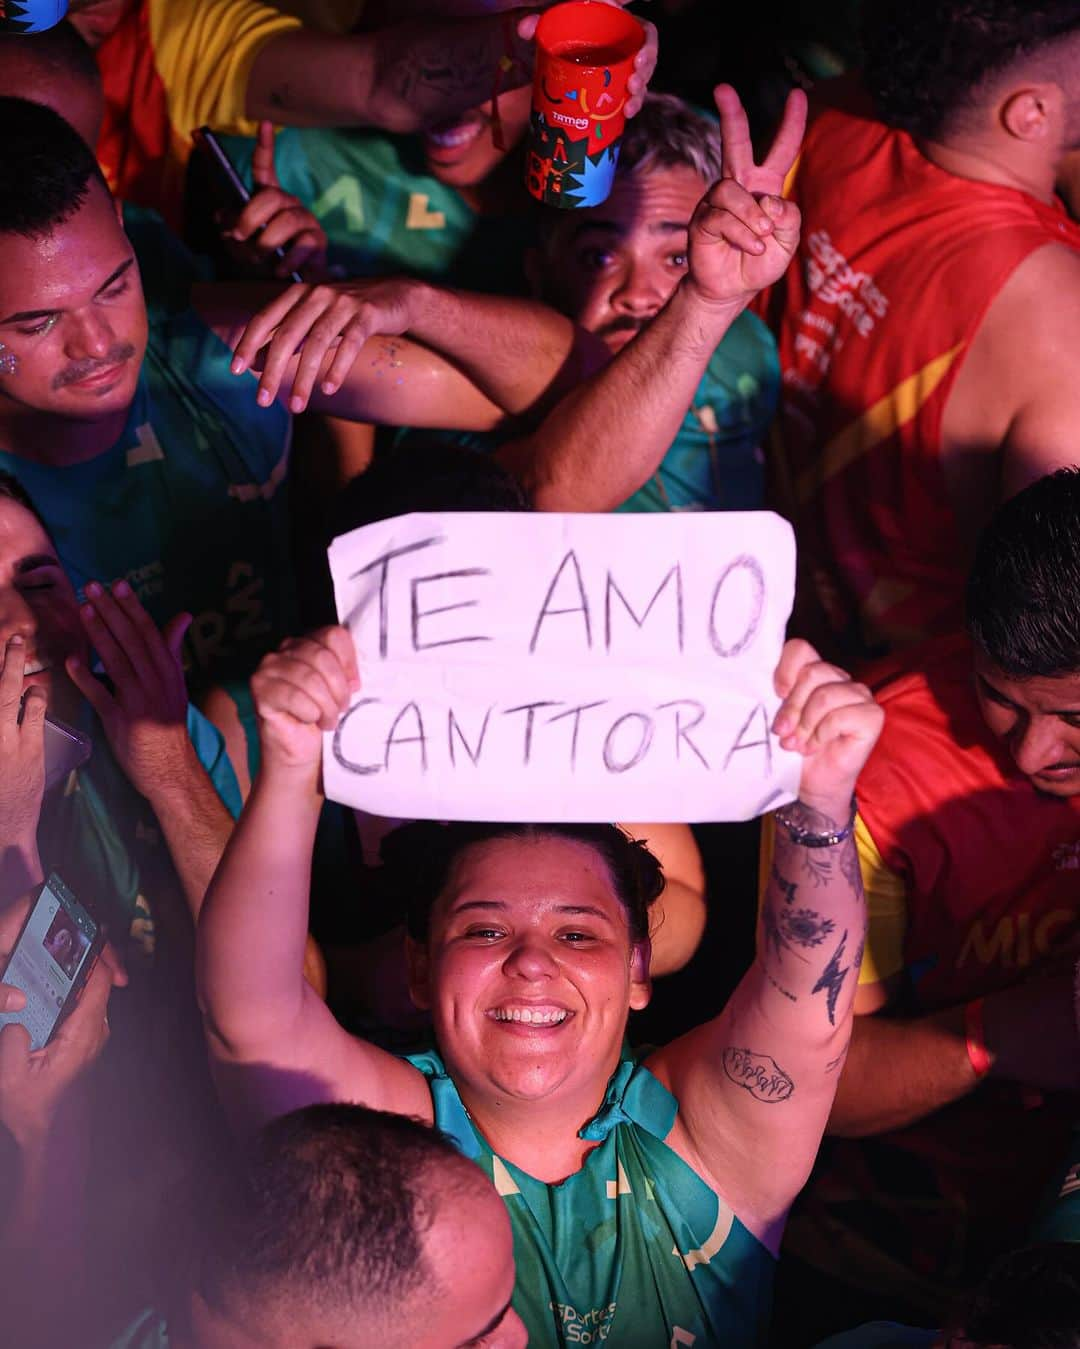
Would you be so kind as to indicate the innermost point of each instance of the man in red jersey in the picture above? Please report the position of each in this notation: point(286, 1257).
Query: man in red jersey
point(969, 843)
point(928, 334)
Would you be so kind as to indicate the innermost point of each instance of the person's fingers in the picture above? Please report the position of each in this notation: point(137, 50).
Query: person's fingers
point(12, 999)
point(117, 641)
point(162, 659)
point(91, 688)
point(11, 680)
point(859, 723)
point(262, 326)
point(294, 332)
point(730, 198)
point(291, 222)
point(827, 697)
point(353, 341)
point(282, 696)
point(786, 220)
point(14, 1051)
point(789, 136)
point(796, 654)
point(317, 671)
point(340, 641)
point(263, 208)
point(737, 151)
point(722, 225)
point(325, 331)
point(263, 171)
point(810, 677)
point(32, 732)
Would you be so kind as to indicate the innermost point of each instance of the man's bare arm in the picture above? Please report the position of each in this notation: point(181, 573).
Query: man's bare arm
point(401, 79)
point(898, 1072)
point(608, 436)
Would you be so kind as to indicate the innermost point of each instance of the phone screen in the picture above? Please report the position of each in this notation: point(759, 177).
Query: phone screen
point(49, 958)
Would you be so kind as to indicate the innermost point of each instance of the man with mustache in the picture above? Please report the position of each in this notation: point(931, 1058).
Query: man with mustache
point(149, 459)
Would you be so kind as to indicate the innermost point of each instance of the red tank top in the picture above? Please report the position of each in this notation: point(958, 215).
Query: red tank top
point(990, 865)
point(898, 264)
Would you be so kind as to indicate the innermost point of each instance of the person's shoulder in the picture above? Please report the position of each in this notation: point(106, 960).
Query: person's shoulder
point(932, 720)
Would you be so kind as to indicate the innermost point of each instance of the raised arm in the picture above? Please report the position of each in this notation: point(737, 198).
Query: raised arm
point(275, 1043)
point(342, 347)
point(144, 717)
point(755, 1085)
point(405, 77)
point(607, 438)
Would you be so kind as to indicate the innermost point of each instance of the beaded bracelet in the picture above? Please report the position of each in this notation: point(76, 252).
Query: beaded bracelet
point(806, 838)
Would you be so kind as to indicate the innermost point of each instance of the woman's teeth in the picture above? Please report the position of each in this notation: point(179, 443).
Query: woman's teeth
point(453, 137)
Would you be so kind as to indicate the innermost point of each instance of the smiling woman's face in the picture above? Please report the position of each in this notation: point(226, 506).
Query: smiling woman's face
point(530, 971)
point(37, 602)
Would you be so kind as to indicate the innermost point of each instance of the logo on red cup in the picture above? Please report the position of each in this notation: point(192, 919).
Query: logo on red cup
point(584, 58)
point(30, 16)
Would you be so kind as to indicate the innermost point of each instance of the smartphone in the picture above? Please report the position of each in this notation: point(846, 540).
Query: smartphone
point(65, 749)
point(57, 948)
point(229, 187)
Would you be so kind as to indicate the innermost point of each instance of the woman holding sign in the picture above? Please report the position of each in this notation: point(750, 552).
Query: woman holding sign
point(648, 1198)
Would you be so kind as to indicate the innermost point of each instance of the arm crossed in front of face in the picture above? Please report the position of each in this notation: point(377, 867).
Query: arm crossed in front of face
point(756, 1084)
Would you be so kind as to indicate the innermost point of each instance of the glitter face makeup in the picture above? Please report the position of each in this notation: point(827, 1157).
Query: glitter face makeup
point(9, 362)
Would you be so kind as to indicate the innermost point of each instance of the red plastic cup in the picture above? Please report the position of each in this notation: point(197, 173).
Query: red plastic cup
point(584, 57)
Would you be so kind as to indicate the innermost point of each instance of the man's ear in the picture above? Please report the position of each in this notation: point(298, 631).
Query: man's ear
point(640, 982)
point(419, 966)
point(1032, 114)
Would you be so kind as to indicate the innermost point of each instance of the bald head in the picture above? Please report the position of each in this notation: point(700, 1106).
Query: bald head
point(352, 1227)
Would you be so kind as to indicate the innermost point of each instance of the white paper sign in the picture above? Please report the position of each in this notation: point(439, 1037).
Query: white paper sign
point(542, 667)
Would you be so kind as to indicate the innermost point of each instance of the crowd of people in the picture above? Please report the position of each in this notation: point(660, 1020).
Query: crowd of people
point(327, 1078)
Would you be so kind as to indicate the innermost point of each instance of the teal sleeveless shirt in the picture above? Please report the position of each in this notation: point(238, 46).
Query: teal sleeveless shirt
point(634, 1251)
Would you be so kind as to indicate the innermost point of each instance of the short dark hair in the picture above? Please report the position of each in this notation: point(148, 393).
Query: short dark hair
point(328, 1207)
point(1028, 1300)
point(427, 475)
point(1023, 593)
point(45, 171)
point(13, 489)
point(924, 59)
point(61, 51)
point(419, 859)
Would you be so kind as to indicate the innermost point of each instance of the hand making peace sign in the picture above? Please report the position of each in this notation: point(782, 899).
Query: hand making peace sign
point(744, 234)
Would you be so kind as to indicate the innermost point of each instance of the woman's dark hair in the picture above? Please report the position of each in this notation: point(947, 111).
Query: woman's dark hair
point(1023, 593)
point(419, 859)
point(427, 476)
point(925, 58)
point(13, 489)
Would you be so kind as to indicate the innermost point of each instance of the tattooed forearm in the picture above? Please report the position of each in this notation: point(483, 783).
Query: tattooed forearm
point(813, 911)
point(761, 1075)
point(832, 978)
